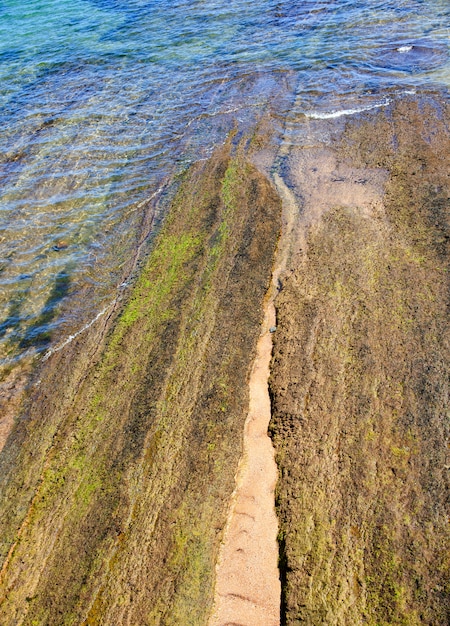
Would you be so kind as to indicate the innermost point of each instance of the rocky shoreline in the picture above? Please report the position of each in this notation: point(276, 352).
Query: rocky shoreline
point(359, 376)
point(117, 476)
point(117, 479)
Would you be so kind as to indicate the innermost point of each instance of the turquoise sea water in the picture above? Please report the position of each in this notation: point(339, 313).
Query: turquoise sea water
point(102, 101)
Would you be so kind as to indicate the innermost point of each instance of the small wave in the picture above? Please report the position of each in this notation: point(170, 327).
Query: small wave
point(70, 338)
point(326, 115)
point(412, 58)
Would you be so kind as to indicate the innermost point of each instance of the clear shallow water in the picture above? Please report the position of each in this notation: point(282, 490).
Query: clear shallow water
point(102, 101)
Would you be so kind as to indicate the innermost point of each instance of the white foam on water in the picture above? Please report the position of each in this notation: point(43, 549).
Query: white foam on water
point(404, 49)
point(143, 202)
point(327, 115)
point(70, 338)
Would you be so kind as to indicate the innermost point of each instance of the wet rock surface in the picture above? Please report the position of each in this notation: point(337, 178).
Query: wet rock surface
point(117, 476)
point(359, 380)
point(115, 480)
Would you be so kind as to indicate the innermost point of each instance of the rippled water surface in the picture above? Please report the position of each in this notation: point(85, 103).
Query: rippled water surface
point(102, 101)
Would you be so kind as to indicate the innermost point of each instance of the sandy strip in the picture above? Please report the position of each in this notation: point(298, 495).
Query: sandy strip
point(247, 585)
point(248, 588)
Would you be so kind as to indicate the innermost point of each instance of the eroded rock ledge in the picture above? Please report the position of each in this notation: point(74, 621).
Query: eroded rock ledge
point(359, 380)
point(116, 481)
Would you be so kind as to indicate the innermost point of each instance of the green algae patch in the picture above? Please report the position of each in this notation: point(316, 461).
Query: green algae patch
point(158, 281)
point(127, 493)
point(359, 388)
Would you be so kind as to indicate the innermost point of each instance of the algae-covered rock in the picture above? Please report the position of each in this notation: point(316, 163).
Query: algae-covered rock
point(359, 379)
point(116, 480)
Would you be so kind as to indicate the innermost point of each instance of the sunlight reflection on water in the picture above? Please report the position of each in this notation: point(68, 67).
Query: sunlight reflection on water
point(103, 101)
